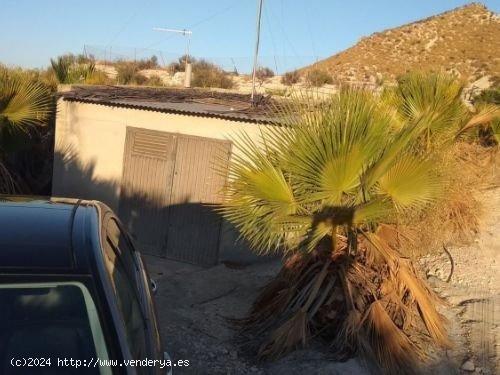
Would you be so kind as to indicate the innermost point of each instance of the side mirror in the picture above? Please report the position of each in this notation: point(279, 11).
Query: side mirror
point(154, 286)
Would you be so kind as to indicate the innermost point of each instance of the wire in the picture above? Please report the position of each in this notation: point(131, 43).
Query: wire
point(308, 16)
point(272, 35)
point(294, 51)
point(127, 23)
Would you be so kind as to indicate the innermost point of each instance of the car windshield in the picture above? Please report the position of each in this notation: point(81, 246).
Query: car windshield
point(49, 321)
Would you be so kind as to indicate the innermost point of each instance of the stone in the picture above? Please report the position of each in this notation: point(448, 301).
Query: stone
point(468, 366)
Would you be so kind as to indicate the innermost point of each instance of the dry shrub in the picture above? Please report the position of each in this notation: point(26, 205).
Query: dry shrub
point(290, 78)
point(318, 78)
point(99, 77)
point(155, 80)
point(206, 74)
point(468, 168)
point(262, 73)
point(126, 72)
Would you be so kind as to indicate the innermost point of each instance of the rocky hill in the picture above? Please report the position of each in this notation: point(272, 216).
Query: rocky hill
point(465, 41)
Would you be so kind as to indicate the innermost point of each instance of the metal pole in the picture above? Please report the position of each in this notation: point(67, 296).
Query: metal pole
point(187, 34)
point(254, 73)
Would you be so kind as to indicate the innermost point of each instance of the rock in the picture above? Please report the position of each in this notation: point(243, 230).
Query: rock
point(468, 366)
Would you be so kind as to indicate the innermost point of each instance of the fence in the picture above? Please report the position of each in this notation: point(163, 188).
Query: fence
point(241, 64)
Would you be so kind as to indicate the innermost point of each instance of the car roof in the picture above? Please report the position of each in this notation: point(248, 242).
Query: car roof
point(37, 235)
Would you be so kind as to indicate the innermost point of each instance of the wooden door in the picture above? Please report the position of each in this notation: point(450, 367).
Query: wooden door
point(194, 226)
point(148, 165)
point(168, 186)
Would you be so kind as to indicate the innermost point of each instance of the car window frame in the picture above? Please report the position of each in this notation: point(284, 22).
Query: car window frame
point(137, 285)
point(92, 306)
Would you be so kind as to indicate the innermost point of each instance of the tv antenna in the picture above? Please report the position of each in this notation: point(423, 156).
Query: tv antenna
point(187, 34)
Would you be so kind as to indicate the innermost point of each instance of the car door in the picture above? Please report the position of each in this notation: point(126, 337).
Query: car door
point(132, 288)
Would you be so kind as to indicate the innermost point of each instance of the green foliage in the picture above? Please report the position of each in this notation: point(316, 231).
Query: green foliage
point(206, 74)
point(99, 77)
point(489, 96)
point(318, 78)
point(25, 103)
point(434, 99)
point(127, 72)
point(290, 78)
point(341, 165)
point(329, 187)
point(69, 69)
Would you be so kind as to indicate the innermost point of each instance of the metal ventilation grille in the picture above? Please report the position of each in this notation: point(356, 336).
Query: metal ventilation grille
point(153, 145)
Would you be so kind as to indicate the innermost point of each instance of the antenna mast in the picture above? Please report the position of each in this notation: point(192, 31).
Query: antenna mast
point(187, 34)
point(254, 73)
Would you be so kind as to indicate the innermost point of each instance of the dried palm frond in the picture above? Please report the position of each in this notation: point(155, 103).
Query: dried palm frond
point(394, 352)
point(426, 301)
point(288, 336)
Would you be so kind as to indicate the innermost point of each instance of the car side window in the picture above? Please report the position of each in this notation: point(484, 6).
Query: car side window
point(122, 270)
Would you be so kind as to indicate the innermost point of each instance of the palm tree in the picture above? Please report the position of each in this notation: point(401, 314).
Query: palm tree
point(68, 69)
point(325, 188)
point(24, 104)
point(439, 99)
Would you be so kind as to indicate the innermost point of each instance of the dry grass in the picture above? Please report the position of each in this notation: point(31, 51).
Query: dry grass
point(469, 169)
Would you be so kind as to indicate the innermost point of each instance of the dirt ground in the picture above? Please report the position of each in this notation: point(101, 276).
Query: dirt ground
point(195, 303)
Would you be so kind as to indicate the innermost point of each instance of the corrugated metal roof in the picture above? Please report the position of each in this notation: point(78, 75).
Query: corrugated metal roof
point(193, 102)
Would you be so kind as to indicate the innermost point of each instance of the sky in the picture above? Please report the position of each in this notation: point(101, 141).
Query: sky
point(294, 32)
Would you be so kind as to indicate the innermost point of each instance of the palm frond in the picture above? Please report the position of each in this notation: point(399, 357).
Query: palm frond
point(411, 183)
point(426, 301)
point(23, 103)
point(485, 115)
point(433, 97)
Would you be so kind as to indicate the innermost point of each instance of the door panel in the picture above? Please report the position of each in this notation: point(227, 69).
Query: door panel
point(169, 182)
point(194, 227)
point(148, 166)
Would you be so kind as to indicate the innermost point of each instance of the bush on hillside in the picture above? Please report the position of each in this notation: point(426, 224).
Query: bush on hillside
point(98, 77)
point(154, 80)
point(127, 72)
point(262, 73)
point(180, 64)
point(318, 78)
point(151, 63)
point(290, 78)
point(70, 69)
point(207, 74)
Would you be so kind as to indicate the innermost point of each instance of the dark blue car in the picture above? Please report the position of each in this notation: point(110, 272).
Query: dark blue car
point(75, 296)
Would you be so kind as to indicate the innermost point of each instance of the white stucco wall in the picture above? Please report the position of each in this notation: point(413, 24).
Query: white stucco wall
point(93, 137)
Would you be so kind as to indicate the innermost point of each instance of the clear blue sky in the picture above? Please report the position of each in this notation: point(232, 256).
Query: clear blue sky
point(294, 32)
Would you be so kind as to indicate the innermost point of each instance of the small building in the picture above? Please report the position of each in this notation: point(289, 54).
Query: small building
point(155, 157)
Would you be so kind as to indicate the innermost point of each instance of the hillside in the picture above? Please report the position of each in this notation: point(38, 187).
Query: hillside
point(465, 41)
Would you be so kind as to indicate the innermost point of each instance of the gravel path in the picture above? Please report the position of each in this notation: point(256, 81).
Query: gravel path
point(473, 294)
